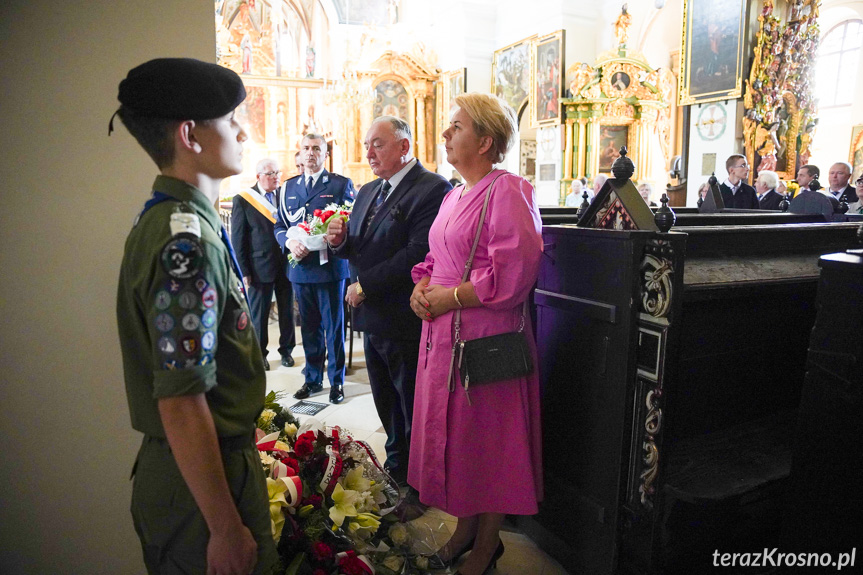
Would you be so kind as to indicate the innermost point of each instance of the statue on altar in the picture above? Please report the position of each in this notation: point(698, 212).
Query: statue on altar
point(621, 26)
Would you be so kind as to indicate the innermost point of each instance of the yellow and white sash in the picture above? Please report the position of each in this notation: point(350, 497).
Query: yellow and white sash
point(260, 203)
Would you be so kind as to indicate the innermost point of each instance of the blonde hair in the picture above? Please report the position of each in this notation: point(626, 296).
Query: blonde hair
point(491, 117)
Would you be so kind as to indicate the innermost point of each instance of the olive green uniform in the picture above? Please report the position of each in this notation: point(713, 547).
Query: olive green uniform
point(185, 329)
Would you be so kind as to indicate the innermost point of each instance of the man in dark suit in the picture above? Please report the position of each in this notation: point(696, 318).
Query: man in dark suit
point(811, 201)
point(385, 237)
point(318, 279)
point(261, 260)
point(736, 193)
point(839, 179)
point(806, 175)
point(765, 186)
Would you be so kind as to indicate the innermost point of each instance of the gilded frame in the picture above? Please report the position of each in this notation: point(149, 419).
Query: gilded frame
point(451, 85)
point(710, 68)
point(855, 156)
point(548, 76)
point(511, 73)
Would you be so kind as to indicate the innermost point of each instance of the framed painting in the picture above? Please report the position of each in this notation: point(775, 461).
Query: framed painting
point(452, 84)
point(548, 78)
point(510, 73)
point(711, 58)
point(855, 157)
point(611, 139)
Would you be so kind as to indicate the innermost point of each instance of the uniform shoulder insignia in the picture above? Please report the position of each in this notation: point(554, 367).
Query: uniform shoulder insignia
point(185, 223)
point(182, 257)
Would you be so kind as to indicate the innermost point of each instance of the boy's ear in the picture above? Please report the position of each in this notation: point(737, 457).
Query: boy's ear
point(184, 136)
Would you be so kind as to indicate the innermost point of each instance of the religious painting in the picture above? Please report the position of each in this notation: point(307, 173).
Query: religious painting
point(611, 139)
point(548, 78)
point(252, 114)
point(452, 85)
point(510, 73)
point(391, 99)
point(855, 157)
point(711, 62)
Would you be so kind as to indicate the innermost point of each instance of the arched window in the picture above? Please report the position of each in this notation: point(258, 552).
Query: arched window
point(838, 64)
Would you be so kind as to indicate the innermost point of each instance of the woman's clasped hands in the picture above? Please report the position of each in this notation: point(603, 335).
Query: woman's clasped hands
point(431, 301)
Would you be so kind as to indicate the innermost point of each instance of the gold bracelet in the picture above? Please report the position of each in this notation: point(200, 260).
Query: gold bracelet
point(455, 295)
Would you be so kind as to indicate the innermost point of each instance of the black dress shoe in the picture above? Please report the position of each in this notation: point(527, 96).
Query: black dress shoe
point(288, 361)
point(266, 364)
point(308, 389)
point(337, 395)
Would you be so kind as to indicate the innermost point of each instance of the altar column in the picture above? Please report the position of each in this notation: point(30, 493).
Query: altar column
point(420, 117)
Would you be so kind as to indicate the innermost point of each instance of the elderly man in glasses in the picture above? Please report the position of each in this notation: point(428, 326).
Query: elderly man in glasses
point(252, 232)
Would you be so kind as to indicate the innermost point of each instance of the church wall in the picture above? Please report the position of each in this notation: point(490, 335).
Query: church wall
point(70, 194)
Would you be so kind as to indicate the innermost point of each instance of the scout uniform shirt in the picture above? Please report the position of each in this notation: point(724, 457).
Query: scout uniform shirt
point(184, 324)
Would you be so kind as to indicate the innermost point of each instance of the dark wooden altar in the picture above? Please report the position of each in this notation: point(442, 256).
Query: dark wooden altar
point(672, 366)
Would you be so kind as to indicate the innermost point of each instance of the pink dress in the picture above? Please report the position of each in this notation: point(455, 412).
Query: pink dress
point(484, 457)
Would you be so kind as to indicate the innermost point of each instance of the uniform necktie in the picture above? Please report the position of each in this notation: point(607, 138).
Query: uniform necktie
point(310, 183)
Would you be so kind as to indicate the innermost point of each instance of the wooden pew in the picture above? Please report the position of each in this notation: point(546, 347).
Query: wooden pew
point(671, 367)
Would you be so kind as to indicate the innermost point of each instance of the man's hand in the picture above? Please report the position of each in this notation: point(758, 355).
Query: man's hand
point(352, 297)
point(234, 553)
point(336, 232)
point(298, 249)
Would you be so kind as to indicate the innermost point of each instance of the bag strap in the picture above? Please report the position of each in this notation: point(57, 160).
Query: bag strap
point(467, 267)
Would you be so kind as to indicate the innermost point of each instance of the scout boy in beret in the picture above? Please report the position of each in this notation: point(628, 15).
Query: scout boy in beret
point(194, 373)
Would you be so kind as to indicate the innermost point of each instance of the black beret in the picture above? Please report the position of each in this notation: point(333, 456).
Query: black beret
point(181, 89)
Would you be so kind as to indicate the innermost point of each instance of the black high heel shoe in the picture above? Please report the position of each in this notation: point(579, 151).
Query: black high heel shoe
point(435, 562)
point(492, 564)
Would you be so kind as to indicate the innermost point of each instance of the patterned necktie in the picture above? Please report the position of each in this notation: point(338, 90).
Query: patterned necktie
point(270, 198)
point(376, 205)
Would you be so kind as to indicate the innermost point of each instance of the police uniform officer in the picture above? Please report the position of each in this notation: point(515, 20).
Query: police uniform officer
point(195, 379)
point(318, 278)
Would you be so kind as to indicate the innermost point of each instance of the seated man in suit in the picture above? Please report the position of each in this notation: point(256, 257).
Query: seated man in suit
point(839, 179)
point(736, 193)
point(765, 186)
point(805, 175)
point(319, 280)
point(385, 237)
point(253, 217)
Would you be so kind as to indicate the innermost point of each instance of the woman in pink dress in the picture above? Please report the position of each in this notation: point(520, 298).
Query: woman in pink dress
point(478, 457)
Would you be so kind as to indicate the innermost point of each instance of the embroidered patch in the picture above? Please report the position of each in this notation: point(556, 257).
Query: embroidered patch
point(242, 321)
point(210, 296)
point(171, 365)
point(185, 223)
point(182, 257)
point(189, 344)
point(164, 322)
point(190, 322)
point(163, 300)
point(207, 359)
point(188, 300)
point(209, 318)
point(174, 286)
point(167, 345)
point(201, 284)
point(208, 340)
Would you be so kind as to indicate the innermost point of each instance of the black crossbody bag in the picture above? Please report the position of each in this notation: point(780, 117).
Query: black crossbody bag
point(496, 357)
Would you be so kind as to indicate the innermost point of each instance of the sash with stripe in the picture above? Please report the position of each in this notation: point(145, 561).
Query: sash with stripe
point(260, 203)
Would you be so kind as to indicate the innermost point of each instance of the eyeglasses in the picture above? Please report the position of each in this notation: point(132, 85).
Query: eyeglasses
point(271, 174)
point(740, 166)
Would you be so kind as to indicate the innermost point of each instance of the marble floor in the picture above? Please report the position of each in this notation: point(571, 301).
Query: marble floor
point(357, 414)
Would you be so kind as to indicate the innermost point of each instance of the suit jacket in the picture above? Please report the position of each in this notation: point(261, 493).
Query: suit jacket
point(745, 198)
point(295, 206)
point(394, 241)
point(849, 194)
point(809, 202)
point(771, 200)
point(254, 241)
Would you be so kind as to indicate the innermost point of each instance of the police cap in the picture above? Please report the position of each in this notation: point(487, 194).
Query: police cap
point(181, 89)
